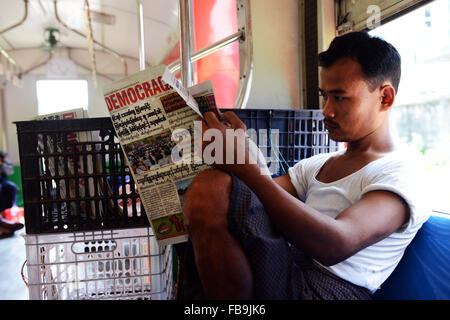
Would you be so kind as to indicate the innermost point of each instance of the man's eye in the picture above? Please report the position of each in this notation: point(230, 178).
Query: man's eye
point(339, 98)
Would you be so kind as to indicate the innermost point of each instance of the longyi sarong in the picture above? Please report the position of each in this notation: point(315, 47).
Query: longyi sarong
point(280, 271)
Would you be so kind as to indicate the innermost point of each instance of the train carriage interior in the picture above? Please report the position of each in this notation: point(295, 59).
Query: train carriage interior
point(261, 59)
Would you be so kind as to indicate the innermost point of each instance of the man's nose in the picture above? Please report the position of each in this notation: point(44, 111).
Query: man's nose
point(327, 110)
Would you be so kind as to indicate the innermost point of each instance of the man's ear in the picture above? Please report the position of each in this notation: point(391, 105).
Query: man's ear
point(387, 96)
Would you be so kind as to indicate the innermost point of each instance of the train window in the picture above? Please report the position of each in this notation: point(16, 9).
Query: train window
point(61, 95)
point(422, 111)
point(213, 21)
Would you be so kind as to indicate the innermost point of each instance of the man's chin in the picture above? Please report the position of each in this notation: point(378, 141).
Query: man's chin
point(335, 137)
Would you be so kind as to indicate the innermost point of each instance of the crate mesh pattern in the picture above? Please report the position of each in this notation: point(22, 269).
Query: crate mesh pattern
point(119, 264)
point(75, 176)
point(301, 134)
point(88, 236)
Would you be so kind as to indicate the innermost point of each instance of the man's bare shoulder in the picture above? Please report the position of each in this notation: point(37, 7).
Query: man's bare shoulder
point(284, 181)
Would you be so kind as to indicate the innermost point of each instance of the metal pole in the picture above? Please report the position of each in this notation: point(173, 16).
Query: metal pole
point(8, 57)
point(245, 54)
point(3, 133)
point(25, 2)
point(216, 46)
point(141, 35)
point(90, 38)
point(10, 63)
point(110, 51)
point(185, 45)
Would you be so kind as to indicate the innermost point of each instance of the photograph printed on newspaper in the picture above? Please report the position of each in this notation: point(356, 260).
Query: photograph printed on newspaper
point(153, 116)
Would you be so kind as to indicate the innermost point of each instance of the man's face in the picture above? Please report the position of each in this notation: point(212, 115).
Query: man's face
point(350, 109)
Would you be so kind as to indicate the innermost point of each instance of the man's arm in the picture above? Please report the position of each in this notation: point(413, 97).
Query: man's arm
point(328, 240)
point(285, 182)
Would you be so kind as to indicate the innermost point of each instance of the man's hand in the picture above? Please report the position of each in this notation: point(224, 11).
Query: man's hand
point(232, 137)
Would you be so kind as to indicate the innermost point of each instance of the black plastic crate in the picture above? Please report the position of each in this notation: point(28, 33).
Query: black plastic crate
point(58, 198)
point(302, 134)
point(73, 174)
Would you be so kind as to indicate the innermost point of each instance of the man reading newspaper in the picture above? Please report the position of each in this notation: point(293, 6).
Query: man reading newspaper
point(337, 224)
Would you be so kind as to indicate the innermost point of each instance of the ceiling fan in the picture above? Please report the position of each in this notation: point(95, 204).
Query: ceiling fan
point(51, 39)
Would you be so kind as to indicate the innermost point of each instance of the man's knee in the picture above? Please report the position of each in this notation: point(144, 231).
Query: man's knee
point(206, 201)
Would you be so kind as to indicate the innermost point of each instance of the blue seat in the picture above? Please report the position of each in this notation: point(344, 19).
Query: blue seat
point(424, 271)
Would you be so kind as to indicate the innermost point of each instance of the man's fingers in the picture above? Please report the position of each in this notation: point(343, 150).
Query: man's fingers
point(204, 129)
point(234, 120)
point(212, 120)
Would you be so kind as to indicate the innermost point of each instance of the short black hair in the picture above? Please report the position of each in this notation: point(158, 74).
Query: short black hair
point(379, 60)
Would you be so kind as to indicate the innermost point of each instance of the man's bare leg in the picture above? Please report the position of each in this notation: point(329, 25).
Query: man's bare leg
point(223, 267)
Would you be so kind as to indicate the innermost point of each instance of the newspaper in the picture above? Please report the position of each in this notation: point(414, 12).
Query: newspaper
point(153, 116)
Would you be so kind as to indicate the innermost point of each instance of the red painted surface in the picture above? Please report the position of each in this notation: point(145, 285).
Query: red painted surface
point(213, 21)
point(173, 55)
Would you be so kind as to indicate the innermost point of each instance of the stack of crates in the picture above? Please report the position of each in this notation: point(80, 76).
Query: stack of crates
point(87, 235)
point(114, 264)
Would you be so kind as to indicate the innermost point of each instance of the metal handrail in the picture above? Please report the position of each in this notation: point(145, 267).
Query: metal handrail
point(245, 55)
point(3, 133)
point(38, 65)
point(21, 21)
point(244, 35)
point(75, 48)
point(69, 56)
point(185, 43)
point(85, 67)
point(90, 38)
point(141, 35)
point(16, 68)
point(8, 57)
point(110, 51)
point(3, 51)
point(206, 51)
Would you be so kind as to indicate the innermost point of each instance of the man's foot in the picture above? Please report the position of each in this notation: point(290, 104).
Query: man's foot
point(5, 232)
point(5, 224)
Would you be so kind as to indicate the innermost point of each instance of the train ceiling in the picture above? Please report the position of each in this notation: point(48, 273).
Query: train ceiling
point(34, 31)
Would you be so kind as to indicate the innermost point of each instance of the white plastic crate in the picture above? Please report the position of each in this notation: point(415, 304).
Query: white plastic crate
point(102, 264)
